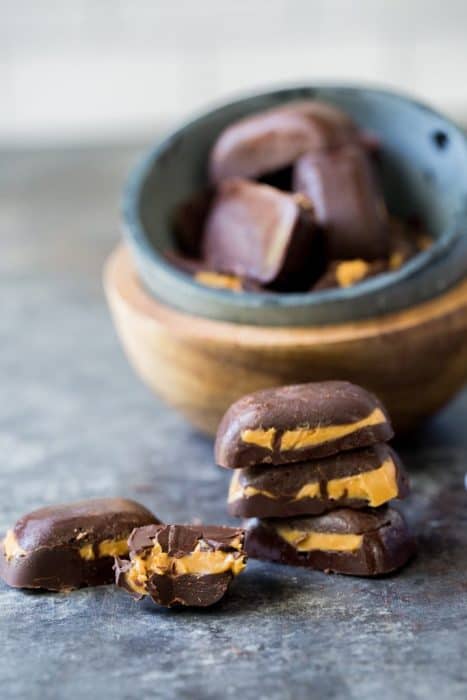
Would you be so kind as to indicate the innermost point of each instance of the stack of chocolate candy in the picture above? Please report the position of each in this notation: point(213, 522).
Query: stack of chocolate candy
point(315, 473)
point(294, 203)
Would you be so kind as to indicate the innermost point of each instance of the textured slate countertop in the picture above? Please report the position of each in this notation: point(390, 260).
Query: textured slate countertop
point(76, 423)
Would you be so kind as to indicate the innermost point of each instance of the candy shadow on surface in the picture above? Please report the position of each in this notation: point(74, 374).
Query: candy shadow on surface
point(259, 586)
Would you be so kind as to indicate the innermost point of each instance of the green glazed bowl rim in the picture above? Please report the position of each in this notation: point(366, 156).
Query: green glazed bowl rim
point(150, 261)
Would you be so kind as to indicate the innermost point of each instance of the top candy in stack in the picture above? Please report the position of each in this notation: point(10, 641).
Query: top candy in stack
point(299, 422)
point(294, 204)
point(307, 450)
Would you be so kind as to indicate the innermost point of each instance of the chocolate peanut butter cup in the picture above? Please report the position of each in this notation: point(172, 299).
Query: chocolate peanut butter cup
point(259, 233)
point(273, 139)
point(369, 476)
point(299, 422)
point(182, 564)
point(348, 201)
point(355, 542)
point(69, 546)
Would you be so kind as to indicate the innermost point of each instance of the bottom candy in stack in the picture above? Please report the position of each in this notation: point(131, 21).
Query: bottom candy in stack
point(313, 474)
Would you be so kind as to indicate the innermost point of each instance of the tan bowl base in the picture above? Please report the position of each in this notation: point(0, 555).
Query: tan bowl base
point(413, 360)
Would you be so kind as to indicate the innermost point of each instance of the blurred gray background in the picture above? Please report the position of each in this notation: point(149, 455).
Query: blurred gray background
point(86, 71)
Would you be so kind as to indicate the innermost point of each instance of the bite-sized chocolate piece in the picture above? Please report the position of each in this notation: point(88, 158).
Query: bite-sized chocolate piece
point(347, 273)
point(261, 233)
point(218, 280)
point(299, 422)
point(188, 222)
point(273, 139)
point(370, 476)
point(348, 201)
point(68, 546)
point(182, 564)
point(355, 542)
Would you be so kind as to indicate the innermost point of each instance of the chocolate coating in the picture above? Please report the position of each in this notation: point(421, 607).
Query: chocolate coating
point(284, 482)
point(189, 590)
point(386, 545)
point(273, 139)
point(50, 540)
point(179, 540)
point(263, 234)
point(188, 222)
point(348, 201)
point(315, 405)
point(169, 588)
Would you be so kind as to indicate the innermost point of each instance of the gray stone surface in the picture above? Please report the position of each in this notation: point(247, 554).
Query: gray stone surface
point(76, 423)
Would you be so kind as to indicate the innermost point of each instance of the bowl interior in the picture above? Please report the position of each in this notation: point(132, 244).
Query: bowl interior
point(424, 172)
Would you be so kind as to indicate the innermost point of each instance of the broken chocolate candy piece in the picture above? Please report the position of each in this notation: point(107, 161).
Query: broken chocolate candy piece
point(189, 565)
point(355, 542)
point(263, 234)
point(188, 222)
point(370, 476)
point(347, 273)
point(348, 201)
point(273, 139)
point(299, 422)
point(69, 546)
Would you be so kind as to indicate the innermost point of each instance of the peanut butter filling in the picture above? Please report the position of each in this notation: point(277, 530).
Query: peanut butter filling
point(106, 548)
point(350, 272)
point(260, 437)
point(308, 437)
point(376, 487)
point(322, 541)
point(113, 548)
point(11, 546)
point(396, 259)
point(250, 491)
point(236, 490)
point(198, 563)
point(87, 552)
point(214, 279)
point(311, 490)
point(303, 201)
